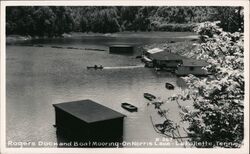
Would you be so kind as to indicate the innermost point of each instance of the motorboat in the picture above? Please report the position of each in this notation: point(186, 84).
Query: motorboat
point(95, 67)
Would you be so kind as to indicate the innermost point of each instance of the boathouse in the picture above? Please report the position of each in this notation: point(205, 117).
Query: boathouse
point(166, 60)
point(163, 59)
point(86, 120)
point(121, 49)
point(192, 66)
point(146, 56)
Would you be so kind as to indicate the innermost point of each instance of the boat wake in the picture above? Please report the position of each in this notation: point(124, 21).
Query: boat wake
point(124, 67)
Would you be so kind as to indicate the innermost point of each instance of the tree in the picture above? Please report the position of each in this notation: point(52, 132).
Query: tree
point(217, 116)
point(64, 22)
point(84, 24)
point(55, 20)
point(105, 20)
point(19, 20)
point(44, 19)
point(231, 18)
point(142, 21)
point(127, 17)
point(218, 101)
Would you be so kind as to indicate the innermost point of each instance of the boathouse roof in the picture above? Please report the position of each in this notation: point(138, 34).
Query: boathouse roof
point(194, 62)
point(88, 111)
point(154, 50)
point(166, 56)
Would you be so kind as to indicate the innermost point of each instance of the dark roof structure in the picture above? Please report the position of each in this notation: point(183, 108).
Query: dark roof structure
point(166, 56)
point(194, 62)
point(121, 45)
point(88, 111)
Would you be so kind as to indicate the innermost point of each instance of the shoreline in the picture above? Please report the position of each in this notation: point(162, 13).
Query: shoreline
point(11, 39)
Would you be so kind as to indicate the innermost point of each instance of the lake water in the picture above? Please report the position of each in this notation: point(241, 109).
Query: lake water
point(37, 77)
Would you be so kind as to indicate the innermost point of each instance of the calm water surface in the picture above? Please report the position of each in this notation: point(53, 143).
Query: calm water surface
point(37, 77)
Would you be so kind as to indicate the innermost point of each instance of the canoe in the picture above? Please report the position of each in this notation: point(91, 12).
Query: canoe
point(169, 86)
point(149, 96)
point(129, 107)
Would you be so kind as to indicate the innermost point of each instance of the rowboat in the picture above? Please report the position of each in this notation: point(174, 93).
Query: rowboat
point(169, 86)
point(129, 107)
point(149, 96)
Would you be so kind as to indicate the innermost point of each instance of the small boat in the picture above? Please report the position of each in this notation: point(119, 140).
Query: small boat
point(137, 57)
point(95, 67)
point(129, 107)
point(149, 96)
point(169, 86)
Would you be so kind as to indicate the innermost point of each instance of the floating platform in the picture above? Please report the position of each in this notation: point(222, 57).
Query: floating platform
point(121, 49)
point(86, 120)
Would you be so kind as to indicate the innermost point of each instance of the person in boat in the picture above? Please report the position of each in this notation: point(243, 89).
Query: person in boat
point(95, 66)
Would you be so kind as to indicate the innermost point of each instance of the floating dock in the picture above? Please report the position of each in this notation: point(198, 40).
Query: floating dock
point(121, 49)
point(86, 120)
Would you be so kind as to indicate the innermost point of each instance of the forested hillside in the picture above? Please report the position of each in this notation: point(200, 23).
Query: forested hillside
point(55, 20)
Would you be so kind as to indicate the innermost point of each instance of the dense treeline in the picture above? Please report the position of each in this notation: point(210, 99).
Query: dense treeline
point(56, 20)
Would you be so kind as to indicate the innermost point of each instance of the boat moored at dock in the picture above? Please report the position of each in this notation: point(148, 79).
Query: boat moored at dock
point(169, 86)
point(149, 96)
point(129, 107)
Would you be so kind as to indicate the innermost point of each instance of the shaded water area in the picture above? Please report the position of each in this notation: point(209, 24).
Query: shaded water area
point(39, 76)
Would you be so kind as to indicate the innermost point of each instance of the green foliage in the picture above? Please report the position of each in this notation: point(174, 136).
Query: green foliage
point(231, 19)
point(63, 22)
point(105, 21)
point(39, 21)
point(218, 114)
point(19, 20)
point(142, 21)
point(167, 127)
point(187, 14)
point(56, 20)
point(176, 27)
point(208, 30)
point(127, 17)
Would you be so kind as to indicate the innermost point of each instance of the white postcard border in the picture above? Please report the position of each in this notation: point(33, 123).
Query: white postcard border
point(243, 3)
